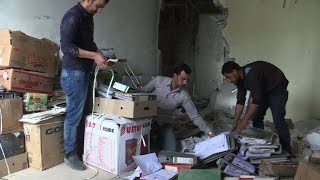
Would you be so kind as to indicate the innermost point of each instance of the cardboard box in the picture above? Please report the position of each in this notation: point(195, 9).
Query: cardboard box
point(12, 111)
point(18, 50)
point(111, 141)
point(315, 160)
point(15, 163)
point(307, 171)
point(128, 109)
point(26, 81)
point(44, 143)
point(35, 102)
point(279, 169)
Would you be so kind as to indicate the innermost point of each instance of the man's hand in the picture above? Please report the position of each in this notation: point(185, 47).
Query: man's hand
point(110, 63)
point(234, 126)
point(240, 127)
point(101, 61)
point(244, 121)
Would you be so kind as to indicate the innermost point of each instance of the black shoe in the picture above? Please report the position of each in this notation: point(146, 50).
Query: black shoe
point(73, 161)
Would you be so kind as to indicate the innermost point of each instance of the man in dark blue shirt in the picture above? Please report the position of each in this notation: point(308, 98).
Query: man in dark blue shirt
point(268, 88)
point(79, 54)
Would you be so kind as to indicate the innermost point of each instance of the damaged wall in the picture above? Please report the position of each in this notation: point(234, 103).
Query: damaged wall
point(209, 56)
point(287, 37)
point(129, 26)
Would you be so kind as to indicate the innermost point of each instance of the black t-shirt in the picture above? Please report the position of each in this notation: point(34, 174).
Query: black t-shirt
point(76, 31)
point(260, 78)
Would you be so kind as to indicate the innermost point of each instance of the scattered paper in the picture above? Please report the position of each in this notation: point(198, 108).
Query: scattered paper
point(42, 116)
point(211, 146)
point(150, 168)
point(148, 163)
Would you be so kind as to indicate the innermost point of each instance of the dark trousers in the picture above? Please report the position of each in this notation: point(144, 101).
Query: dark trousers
point(277, 103)
point(162, 138)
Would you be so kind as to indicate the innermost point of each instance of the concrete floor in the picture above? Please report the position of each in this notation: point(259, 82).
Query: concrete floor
point(61, 172)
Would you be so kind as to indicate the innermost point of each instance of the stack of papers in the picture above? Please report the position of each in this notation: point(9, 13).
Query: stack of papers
point(259, 144)
point(237, 161)
point(231, 169)
point(37, 117)
point(102, 90)
point(150, 168)
point(211, 146)
point(214, 148)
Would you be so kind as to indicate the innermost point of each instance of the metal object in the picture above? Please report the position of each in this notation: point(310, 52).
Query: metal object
point(135, 81)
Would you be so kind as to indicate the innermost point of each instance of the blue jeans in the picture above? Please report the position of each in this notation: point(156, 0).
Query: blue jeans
point(75, 85)
point(277, 103)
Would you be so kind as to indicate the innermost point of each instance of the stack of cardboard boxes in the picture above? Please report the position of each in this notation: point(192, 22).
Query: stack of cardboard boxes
point(12, 148)
point(119, 130)
point(28, 66)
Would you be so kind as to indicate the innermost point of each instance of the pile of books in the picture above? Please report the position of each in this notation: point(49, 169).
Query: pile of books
point(102, 91)
point(258, 144)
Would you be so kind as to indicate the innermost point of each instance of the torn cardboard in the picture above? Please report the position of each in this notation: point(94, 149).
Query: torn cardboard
point(309, 171)
point(26, 81)
point(282, 169)
point(15, 163)
point(18, 50)
point(12, 111)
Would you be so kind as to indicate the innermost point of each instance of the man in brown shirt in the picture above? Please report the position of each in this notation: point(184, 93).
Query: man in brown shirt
point(171, 94)
point(268, 87)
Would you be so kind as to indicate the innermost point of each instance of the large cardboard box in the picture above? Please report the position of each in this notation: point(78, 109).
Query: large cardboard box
point(44, 143)
point(26, 81)
point(110, 142)
point(307, 171)
point(11, 111)
point(18, 50)
point(129, 109)
point(15, 163)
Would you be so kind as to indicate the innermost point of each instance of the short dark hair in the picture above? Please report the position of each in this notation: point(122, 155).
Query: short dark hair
point(106, 1)
point(182, 67)
point(229, 66)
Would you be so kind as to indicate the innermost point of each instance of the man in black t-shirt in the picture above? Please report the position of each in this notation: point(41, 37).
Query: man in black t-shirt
point(268, 88)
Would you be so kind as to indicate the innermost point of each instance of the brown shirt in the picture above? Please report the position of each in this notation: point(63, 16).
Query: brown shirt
point(168, 101)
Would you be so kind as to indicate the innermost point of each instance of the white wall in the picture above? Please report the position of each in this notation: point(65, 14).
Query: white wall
point(209, 56)
point(315, 94)
point(131, 27)
point(287, 37)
